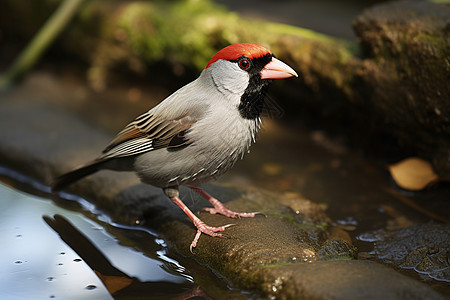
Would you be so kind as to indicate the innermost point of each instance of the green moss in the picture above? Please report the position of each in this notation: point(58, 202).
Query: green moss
point(438, 41)
point(282, 264)
point(179, 32)
point(301, 32)
point(190, 32)
point(336, 258)
point(291, 220)
point(341, 48)
point(139, 21)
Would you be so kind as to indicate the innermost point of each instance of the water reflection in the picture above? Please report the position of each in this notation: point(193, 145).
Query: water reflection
point(37, 262)
point(34, 261)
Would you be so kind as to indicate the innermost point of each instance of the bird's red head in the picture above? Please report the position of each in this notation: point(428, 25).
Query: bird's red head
point(271, 68)
point(235, 51)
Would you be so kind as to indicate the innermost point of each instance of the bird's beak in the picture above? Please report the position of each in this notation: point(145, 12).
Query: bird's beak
point(276, 69)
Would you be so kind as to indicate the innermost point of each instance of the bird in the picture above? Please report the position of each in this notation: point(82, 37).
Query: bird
point(197, 133)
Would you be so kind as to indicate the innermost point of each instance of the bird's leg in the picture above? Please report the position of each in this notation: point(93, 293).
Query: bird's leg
point(220, 208)
point(173, 194)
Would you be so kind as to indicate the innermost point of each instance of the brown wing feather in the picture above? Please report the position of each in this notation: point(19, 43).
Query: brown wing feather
point(147, 133)
point(133, 133)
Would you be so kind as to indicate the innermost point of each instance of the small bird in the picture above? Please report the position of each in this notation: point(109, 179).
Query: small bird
point(198, 132)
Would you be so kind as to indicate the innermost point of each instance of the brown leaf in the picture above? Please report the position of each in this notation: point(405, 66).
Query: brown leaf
point(413, 173)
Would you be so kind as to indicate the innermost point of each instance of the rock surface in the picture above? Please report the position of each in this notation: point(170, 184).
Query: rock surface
point(423, 248)
point(287, 255)
point(406, 73)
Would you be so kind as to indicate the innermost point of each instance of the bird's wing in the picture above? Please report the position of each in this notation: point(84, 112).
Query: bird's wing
point(147, 133)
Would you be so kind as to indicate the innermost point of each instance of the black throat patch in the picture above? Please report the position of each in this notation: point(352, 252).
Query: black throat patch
point(252, 101)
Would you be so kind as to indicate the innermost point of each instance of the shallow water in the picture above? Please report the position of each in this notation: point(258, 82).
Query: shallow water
point(56, 251)
point(34, 261)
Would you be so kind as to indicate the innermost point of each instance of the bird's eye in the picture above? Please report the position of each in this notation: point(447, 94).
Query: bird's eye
point(244, 64)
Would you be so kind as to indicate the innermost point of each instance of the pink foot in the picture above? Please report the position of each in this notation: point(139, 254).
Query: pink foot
point(223, 210)
point(201, 226)
point(220, 208)
point(209, 230)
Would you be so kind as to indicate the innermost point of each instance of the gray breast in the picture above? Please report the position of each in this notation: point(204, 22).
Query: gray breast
point(206, 158)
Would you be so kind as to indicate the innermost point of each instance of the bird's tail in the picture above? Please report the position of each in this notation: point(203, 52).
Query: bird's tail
point(74, 175)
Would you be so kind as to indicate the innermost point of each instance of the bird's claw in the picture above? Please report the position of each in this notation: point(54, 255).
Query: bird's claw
point(231, 214)
point(209, 230)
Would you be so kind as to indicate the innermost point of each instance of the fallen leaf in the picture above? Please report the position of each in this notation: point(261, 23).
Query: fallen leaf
point(413, 173)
